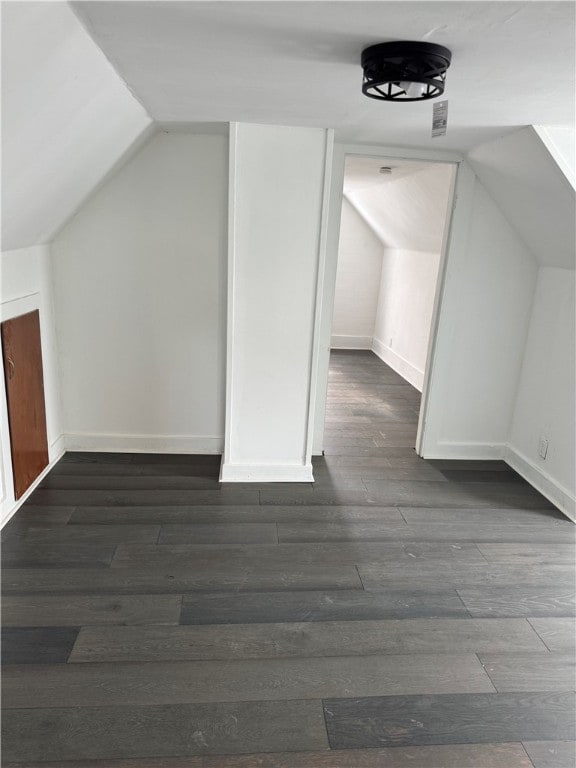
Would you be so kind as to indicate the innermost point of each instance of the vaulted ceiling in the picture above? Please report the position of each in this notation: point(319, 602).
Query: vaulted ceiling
point(83, 83)
point(67, 118)
point(532, 192)
point(405, 209)
point(298, 63)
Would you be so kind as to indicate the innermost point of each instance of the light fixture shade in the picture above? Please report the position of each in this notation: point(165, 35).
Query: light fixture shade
point(405, 71)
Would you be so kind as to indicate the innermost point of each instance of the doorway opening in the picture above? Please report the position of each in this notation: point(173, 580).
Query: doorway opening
point(394, 223)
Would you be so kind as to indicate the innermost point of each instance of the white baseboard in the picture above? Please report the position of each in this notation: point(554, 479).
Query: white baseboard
point(559, 496)
point(533, 474)
point(57, 449)
point(351, 342)
point(9, 505)
point(466, 451)
point(266, 473)
point(402, 366)
point(84, 441)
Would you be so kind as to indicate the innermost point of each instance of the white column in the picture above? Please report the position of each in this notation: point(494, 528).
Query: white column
point(275, 218)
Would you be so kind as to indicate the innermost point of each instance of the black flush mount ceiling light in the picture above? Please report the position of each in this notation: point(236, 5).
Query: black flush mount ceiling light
point(405, 71)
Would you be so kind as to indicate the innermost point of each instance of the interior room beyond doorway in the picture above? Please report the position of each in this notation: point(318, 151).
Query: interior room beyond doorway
point(393, 226)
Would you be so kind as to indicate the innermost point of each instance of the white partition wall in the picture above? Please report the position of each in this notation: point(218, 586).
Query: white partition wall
point(482, 327)
point(277, 179)
point(545, 407)
point(140, 293)
point(26, 285)
point(357, 282)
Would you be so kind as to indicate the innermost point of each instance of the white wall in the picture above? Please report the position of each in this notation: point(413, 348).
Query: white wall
point(391, 238)
point(357, 282)
point(276, 199)
point(67, 118)
point(405, 305)
point(530, 175)
point(560, 141)
point(483, 326)
point(25, 285)
point(140, 296)
point(533, 193)
point(407, 208)
point(546, 392)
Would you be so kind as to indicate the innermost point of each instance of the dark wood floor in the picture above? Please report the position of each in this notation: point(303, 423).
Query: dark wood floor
point(399, 613)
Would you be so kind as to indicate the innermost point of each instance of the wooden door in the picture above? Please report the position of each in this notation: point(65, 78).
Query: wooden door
point(22, 353)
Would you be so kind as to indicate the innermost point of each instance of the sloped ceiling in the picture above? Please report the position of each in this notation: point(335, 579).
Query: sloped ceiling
point(407, 208)
point(298, 63)
point(67, 118)
point(560, 141)
point(533, 193)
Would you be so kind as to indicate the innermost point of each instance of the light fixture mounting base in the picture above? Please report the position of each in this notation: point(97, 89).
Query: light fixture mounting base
point(392, 71)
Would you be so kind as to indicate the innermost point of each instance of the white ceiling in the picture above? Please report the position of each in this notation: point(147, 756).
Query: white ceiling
point(67, 118)
point(532, 192)
point(364, 172)
point(406, 209)
point(298, 63)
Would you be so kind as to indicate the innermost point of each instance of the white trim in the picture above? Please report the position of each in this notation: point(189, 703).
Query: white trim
point(24, 304)
point(442, 331)
point(114, 443)
point(316, 396)
point(351, 342)
point(324, 323)
point(430, 155)
point(230, 310)
point(266, 473)
point(466, 451)
point(327, 279)
point(56, 451)
point(398, 363)
point(556, 493)
point(9, 309)
point(560, 496)
point(458, 185)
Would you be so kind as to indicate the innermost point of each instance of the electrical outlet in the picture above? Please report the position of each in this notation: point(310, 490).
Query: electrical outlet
point(542, 447)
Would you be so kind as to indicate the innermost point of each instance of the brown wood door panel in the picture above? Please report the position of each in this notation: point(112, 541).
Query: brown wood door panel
point(22, 354)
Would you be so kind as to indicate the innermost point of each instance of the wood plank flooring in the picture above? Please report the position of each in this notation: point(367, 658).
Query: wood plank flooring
point(398, 612)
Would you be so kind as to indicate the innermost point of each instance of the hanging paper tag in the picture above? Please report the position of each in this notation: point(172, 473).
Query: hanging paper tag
point(439, 118)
